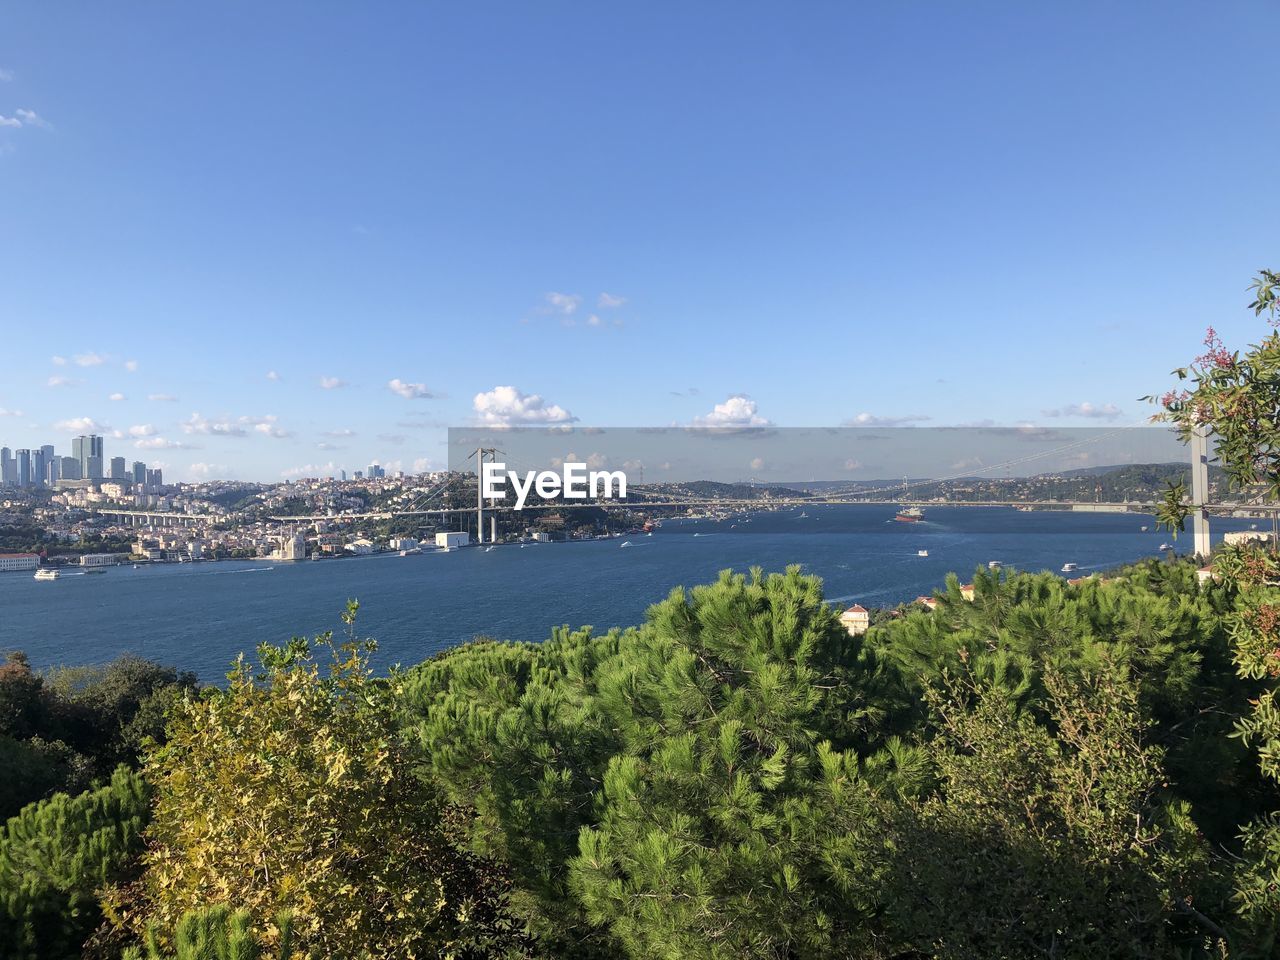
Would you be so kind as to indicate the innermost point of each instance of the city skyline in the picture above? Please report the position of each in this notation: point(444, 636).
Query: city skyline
point(323, 254)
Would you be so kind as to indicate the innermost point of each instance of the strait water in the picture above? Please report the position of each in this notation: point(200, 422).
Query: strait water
point(198, 616)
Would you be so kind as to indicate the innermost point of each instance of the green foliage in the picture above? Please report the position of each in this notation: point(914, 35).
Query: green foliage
point(56, 856)
point(289, 790)
point(217, 934)
point(64, 730)
point(1044, 840)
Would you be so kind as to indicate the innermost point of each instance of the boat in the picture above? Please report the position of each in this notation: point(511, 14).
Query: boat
point(1069, 567)
point(626, 543)
point(922, 553)
point(1166, 546)
point(994, 564)
point(47, 573)
point(1144, 529)
point(909, 515)
point(415, 552)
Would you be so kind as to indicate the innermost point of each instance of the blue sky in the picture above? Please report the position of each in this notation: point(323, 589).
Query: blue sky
point(326, 231)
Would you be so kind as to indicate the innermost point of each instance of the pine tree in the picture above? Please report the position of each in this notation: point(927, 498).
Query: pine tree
point(57, 856)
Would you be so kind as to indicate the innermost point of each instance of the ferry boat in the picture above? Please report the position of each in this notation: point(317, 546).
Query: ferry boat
point(909, 515)
point(47, 573)
point(1069, 567)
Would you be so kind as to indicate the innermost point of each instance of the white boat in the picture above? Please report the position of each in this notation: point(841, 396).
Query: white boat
point(994, 564)
point(922, 553)
point(1069, 567)
point(1166, 546)
point(626, 543)
point(1144, 529)
point(47, 573)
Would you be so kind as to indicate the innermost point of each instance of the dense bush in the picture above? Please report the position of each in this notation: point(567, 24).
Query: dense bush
point(289, 790)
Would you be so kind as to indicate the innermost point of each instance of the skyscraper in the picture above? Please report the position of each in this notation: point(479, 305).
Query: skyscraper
point(88, 450)
point(118, 469)
point(8, 468)
point(70, 468)
point(139, 472)
point(24, 467)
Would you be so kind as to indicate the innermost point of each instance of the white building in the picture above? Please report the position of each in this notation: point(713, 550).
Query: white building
point(447, 541)
point(359, 547)
point(1246, 536)
point(99, 559)
point(541, 536)
point(18, 561)
point(856, 620)
point(404, 543)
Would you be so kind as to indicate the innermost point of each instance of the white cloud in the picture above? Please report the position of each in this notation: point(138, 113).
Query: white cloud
point(59, 361)
point(422, 465)
point(852, 464)
point(607, 301)
point(565, 303)
point(757, 463)
point(9, 121)
point(737, 411)
point(872, 420)
point(61, 382)
point(272, 375)
point(209, 471)
point(310, 470)
point(1106, 411)
point(5, 75)
point(4, 412)
point(29, 118)
point(89, 359)
point(268, 428)
point(410, 391)
point(225, 427)
point(143, 430)
point(327, 446)
point(116, 397)
point(131, 366)
point(593, 321)
point(81, 425)
point(162, 398)
point(502, 406)
point(332, 383)
point(344, 432)
point(160, 443)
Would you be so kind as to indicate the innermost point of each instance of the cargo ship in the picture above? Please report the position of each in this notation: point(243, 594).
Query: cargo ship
point(910, 515)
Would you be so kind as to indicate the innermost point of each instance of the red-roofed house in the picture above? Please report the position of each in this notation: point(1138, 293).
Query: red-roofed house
point(856, 620)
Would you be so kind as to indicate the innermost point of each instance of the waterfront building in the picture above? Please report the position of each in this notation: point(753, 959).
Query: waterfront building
point(10, 562)
point(99, 559)
point(447, 541)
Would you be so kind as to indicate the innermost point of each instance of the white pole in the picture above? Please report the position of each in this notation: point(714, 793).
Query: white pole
point(1200, 490)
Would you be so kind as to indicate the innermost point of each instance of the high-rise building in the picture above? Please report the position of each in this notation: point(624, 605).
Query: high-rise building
point(118, 469)
point(70, 469)
point(155, 478)
point(40, 460)
point(8, 468)
point(24, 467)
point(139, 472)
point(52, 470)
point(88, 450)
point(376, 472)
